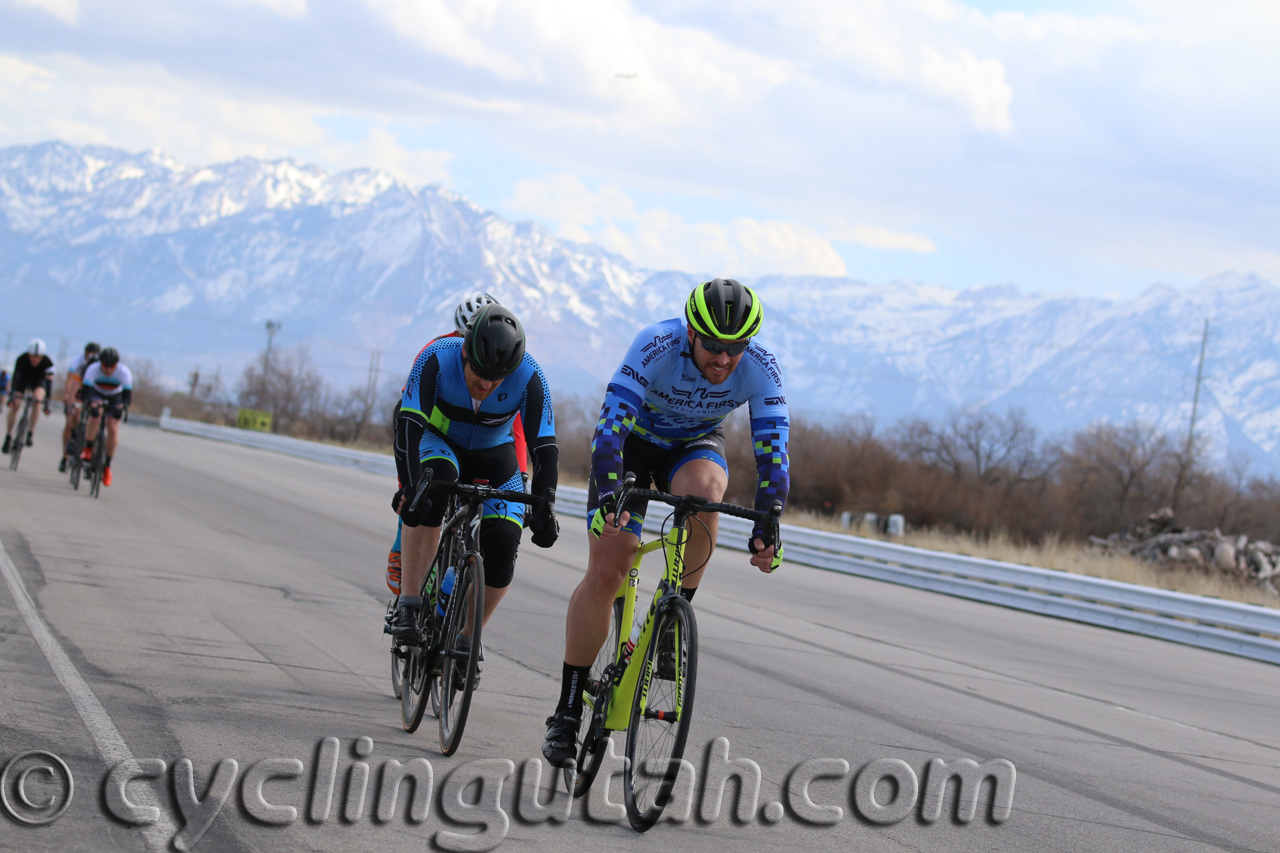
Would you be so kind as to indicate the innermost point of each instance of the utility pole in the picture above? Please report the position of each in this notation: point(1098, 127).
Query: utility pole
point(61, 363)
point(371, 390)
point(1184, 467)
point(272, 328)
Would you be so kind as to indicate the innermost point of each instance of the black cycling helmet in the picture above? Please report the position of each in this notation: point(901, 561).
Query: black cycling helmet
point(724, 309)
point(109, 357)
point(494, 343)
point(92, 349)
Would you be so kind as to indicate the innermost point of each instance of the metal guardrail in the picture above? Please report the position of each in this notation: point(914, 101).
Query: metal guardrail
point(1241, 629)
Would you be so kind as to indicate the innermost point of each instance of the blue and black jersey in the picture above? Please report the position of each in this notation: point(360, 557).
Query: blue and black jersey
point(659, 394)
point(436, 399)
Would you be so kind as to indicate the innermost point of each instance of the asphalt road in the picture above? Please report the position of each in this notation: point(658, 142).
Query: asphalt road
point(226, 603)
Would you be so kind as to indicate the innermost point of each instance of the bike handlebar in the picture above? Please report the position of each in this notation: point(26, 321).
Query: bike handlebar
point(770, 517)
point(471, 490)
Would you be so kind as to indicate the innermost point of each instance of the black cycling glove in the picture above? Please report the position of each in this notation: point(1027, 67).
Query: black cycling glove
point(545, 526)
point(419, 515)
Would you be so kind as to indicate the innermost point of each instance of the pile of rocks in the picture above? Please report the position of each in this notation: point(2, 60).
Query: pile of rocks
point(1159, 540)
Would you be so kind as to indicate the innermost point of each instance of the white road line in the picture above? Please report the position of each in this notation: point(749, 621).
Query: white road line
point(106, 737)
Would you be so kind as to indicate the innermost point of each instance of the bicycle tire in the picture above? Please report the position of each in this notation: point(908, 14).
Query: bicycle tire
point(397, 659)
point(19, 438)
point(591, 734)
point(416, 675)
point(77, 448)
point(435, 697)
point(99, 463)
point(455, 701)
point(653, 740)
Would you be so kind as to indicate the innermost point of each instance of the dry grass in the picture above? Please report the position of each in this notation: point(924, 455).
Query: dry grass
point(1062, 556)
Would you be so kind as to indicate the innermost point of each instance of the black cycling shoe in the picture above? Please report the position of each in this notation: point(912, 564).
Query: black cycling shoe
point(463, 647)
point(404, 625)
point(30, 436)
point(561, 745)
point(62, 465)
point(8, 440)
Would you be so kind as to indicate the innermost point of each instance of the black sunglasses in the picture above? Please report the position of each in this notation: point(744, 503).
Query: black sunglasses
point(716, 346)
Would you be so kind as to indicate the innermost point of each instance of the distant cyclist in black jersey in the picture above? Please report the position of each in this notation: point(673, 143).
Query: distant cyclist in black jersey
point(33, 371)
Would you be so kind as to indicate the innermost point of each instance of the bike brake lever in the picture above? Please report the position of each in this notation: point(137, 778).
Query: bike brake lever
point(624, 495)
point(422, 489)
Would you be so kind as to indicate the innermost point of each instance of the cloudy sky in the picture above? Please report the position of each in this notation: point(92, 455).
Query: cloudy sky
point(1092, 147)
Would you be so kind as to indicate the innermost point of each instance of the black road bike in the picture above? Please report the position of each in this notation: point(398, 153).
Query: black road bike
point(442, 668)
point(97, 463)
point(21, 431)
point(76, 448)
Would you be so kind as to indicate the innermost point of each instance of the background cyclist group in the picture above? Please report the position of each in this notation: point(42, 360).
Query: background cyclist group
point(474, 395)
point(97, 379)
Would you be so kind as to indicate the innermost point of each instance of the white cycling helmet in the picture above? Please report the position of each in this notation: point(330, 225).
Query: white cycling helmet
point(36, 347)
point(468, 307)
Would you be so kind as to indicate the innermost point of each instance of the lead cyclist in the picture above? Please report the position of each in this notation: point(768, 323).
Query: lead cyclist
point(661, 419)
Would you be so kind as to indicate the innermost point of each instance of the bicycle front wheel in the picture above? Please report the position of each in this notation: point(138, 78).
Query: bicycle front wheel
point(459, 673)
point(591, 734)
point(661, 712)
point(19, 441)
point(77, 448)
point(99, 463)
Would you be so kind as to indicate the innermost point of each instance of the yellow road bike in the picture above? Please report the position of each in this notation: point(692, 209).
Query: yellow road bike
point(648, 690)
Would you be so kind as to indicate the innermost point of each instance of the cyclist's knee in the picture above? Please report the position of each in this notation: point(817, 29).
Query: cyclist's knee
point(500, 540)
point(700, 477)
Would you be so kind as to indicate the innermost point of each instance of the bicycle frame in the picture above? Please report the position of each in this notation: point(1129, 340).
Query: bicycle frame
point(673, 543)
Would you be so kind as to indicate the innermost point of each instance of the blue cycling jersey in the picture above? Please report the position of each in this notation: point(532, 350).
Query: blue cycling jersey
point(659, 393)
point(436, 398)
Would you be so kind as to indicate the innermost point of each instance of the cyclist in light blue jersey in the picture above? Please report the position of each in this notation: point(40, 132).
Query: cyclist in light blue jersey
point(661, 419)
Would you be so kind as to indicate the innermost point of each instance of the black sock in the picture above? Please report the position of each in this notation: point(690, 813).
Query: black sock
point(108, 462)
point(572, 681)
point(688, 592)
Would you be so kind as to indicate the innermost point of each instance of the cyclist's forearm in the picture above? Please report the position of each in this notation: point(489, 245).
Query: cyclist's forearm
point(769, 438)
point(617, 419)
point(546, 468)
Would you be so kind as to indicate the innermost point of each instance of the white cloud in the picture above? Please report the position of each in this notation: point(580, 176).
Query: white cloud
point(660, 239)
point(882, 238)
point(67, 11)
point(143, 107)
point(283, 8)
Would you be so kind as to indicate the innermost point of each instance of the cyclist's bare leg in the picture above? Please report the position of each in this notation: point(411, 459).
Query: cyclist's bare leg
point(707, 479)
point(11, 416)
point(35, 410)
point(113, 436)
point(417, 550)
point(91, 426)
point(591, 604)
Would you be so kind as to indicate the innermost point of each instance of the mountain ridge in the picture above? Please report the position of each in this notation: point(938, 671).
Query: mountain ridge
point(188, 262)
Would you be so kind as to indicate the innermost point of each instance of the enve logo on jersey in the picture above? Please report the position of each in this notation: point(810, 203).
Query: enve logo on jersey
point(628, 370)
point(701, 393)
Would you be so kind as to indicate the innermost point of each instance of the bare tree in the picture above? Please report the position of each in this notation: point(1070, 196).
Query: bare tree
point(292, 389)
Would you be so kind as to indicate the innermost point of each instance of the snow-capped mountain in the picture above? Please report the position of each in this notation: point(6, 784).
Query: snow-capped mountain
point(184, 264)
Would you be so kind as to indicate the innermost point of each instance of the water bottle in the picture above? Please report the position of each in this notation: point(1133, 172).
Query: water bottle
point(635, 638)
point(446, 587)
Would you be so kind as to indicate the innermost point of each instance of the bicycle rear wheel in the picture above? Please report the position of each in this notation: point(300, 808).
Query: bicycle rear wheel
point(413, 697)
point(397, 658)
point(460, 666)
point(661, 712)
point(591, 734)
point(77, 448)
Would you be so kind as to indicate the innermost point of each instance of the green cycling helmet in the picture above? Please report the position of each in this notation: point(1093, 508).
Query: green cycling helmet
point(724, 309)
